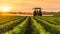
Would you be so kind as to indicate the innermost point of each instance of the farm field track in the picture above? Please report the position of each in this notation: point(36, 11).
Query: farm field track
point(29, 25)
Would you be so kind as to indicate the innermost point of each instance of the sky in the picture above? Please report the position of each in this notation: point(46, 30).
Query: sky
point(28, 5)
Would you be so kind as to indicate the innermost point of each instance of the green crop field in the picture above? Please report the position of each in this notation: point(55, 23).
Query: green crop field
point(29, 25)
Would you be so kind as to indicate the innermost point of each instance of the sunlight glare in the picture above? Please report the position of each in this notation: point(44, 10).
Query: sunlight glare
point(5, 9)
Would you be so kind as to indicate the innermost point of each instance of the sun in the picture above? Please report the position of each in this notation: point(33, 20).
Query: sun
point(5, 9)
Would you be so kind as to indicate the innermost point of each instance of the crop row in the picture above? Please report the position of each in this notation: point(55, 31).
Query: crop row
point(30, 25)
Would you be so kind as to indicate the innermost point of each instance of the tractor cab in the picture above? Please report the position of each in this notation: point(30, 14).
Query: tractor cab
point(37, 12)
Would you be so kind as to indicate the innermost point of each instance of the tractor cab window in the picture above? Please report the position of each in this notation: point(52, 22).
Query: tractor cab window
point(37, 10)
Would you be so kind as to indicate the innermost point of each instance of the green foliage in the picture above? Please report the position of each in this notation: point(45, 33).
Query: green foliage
point(39, 24)
point(56, 14)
